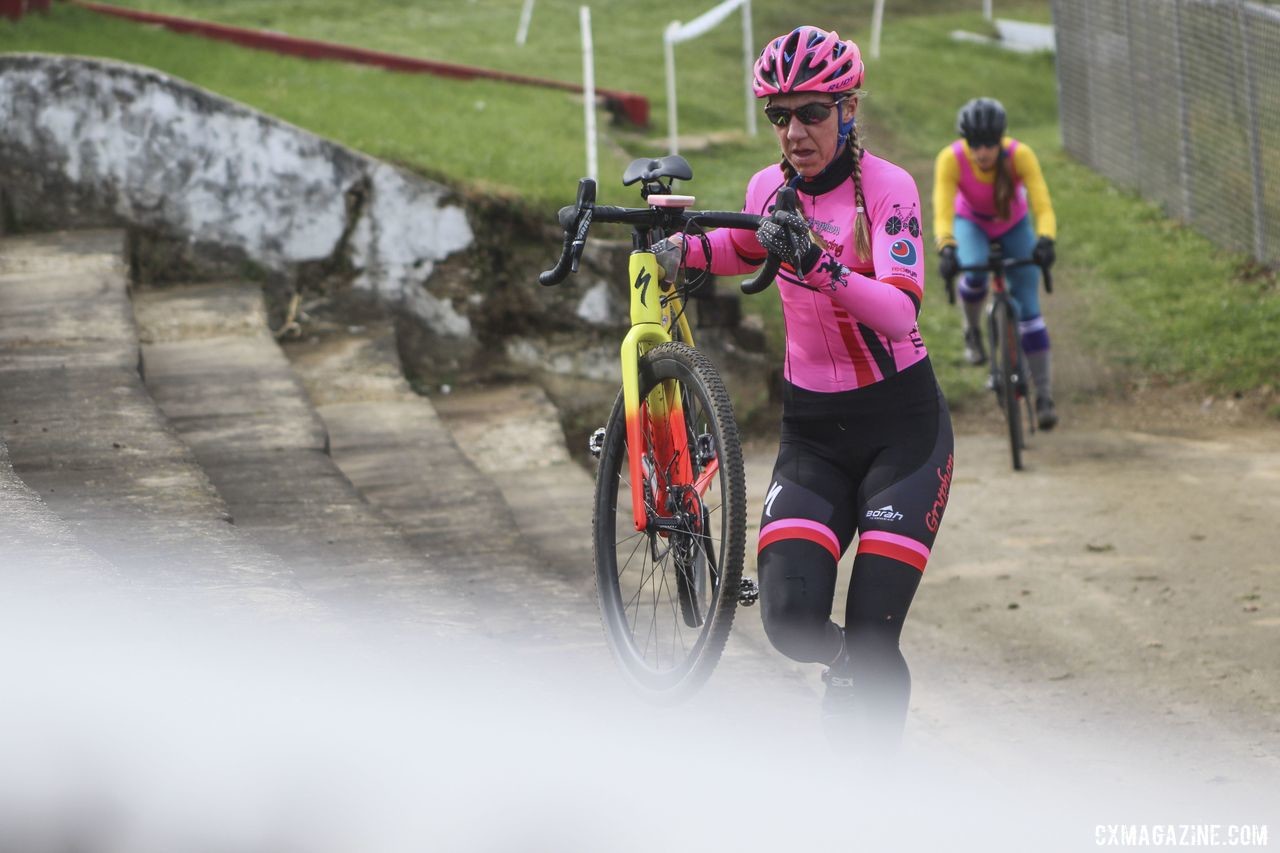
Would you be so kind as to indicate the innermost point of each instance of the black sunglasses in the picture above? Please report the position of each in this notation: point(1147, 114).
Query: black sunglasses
point(815, 113)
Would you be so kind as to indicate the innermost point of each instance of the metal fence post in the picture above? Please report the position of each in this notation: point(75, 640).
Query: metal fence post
point(1184, 146)
point(1255, 142)
point(1136, 123)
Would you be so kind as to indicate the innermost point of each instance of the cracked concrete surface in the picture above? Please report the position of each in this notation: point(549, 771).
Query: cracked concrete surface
point(93, 142)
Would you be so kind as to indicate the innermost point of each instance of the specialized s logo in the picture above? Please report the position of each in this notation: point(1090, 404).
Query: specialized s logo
point(933, 517)
point(774, 491)
point(642, 285)
point(904, 252)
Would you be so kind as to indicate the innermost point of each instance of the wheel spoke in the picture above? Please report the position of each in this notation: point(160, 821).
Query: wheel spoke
point(675, 618)
point(644, 581)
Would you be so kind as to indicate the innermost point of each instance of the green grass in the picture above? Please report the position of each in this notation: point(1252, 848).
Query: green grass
point(1159, 298)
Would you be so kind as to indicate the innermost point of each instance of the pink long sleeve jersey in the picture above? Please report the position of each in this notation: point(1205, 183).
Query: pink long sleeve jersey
point(850, 322)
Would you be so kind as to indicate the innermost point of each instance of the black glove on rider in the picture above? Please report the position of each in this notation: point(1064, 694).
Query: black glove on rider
point(1043, 253)
point(669, 253)
point(948, 264)
point(786, 235)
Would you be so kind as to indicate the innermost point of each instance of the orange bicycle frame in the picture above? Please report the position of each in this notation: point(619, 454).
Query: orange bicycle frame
point(658, 420)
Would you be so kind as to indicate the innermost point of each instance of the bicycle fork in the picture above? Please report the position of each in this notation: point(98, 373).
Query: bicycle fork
point(655, 424)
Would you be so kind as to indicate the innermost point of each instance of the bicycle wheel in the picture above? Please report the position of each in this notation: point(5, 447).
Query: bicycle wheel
point(667, 595)
point(1005, 365)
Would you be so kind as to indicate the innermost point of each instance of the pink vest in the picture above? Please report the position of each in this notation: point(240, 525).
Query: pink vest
point(976, 201)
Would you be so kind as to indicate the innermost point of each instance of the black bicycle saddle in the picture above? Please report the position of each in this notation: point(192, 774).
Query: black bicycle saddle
point(671, 166)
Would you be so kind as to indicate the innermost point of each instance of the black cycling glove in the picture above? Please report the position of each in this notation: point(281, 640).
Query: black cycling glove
point(948, 263)
point(669, 253)
point(1043, 253)
point(786, 235)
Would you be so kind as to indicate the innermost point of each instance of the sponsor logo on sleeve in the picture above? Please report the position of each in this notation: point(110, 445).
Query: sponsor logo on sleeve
point(903, 217)
point(904, 252)
point(839, 272)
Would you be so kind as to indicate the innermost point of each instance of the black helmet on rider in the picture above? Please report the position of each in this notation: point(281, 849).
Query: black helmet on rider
point(982, 122)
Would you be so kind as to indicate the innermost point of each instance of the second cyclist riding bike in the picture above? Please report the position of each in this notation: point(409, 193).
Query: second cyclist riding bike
point(1009, 369)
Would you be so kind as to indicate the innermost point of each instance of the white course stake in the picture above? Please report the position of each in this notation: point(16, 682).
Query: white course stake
point(589, 90)
point(877, 24)
point(526, 13)
point(677, 32)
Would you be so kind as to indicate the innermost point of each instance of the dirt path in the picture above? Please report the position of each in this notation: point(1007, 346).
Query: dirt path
point(1122, 593)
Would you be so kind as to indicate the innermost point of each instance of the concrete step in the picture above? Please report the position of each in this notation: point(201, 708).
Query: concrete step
point(424, 548)
point(212, 366)
point(40, 551)
point(84, 435)
point(396, 450)
point(512, 433)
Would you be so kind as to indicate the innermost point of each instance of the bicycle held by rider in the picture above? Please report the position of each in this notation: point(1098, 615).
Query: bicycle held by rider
point(669, 524)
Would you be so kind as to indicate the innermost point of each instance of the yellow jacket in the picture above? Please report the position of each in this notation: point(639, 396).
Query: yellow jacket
point(1026, 168)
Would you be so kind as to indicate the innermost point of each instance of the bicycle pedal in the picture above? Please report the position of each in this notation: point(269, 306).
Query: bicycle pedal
point(596, 443)
point(748, 592)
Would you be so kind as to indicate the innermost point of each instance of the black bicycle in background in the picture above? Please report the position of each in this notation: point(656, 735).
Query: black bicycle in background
point(1008, 361)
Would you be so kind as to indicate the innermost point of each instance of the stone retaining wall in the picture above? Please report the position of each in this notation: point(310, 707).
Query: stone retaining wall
point(88, 142)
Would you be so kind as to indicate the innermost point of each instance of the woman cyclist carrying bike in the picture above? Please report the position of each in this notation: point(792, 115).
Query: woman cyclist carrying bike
point(866, 446)
point(983, 185)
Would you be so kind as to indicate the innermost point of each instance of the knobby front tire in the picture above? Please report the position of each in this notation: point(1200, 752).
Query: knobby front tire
point(667, 599)
point(1006, 363)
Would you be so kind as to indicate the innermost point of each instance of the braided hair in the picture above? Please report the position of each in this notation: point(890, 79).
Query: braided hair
point(1003, 185)
point(862, 222)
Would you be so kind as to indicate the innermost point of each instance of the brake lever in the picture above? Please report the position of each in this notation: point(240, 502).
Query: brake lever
point(786, 201)
point(576, 222)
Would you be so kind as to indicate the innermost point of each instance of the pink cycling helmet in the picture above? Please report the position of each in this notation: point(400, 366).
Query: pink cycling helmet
point(807, 59)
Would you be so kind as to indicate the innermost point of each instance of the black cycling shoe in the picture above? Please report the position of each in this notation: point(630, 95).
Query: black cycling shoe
point(974, 351)
point(1046, 414)
point(839, 708)
point(839, 690)
point(853, 725)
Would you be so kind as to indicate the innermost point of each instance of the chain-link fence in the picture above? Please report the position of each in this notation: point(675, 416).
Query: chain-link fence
point(1179, 99)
